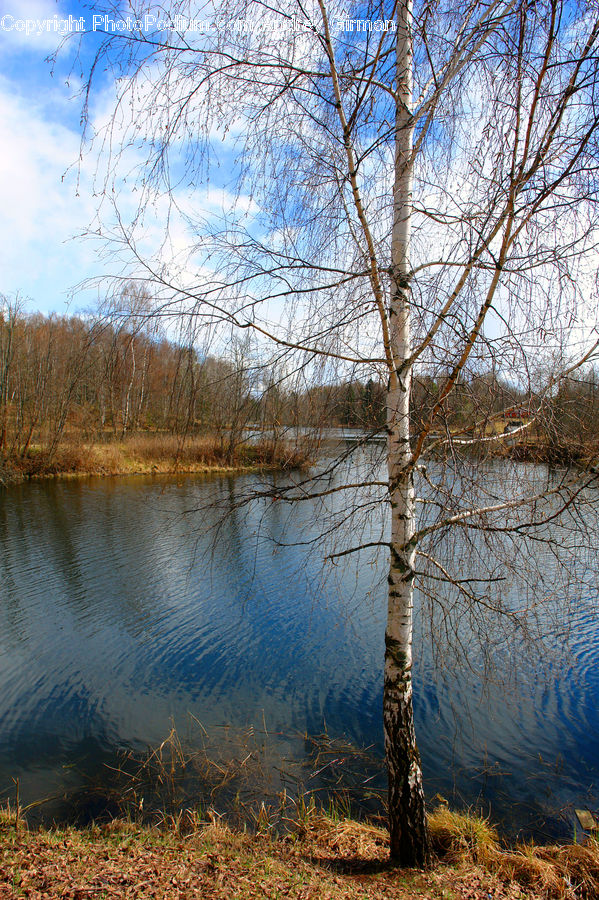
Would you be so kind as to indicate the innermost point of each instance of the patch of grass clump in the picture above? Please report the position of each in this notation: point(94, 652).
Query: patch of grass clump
point(65, 460)
point(564, 872)
point(277, 453)
point(455, 834)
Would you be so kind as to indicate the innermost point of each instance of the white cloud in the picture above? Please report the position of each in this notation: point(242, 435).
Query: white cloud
point(38, 197)
point(49, 195)
point(34, 25)
point(47, 199)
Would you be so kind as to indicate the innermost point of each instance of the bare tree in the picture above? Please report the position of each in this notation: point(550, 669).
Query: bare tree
point(10, 314)
point(411, 193)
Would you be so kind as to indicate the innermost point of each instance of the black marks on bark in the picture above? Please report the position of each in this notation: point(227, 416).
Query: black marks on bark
point(409, 838)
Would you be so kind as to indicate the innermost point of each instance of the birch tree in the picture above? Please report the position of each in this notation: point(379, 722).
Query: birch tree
point(9, 317)
point(404, 190)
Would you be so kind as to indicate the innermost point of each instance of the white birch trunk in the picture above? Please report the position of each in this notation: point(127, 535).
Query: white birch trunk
point(407, 817)
point(129, 389)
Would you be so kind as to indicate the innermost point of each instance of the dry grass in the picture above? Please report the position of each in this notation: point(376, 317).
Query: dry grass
point(208, 452)
point(326, 861)
point(151, 453)
point(279, 454)
point(567, 871)
point(168, 448)
point(67, 459)
point(456, 835)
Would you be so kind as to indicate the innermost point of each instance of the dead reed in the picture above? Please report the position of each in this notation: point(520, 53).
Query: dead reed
point(568, 871)
point(153, 452)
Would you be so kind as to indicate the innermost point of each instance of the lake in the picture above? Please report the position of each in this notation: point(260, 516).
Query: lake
point(129, 605)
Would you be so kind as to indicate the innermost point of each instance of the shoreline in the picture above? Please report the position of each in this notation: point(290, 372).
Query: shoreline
point(150, 454)
point(19, 478)
point(161, 454)
point(324, 857)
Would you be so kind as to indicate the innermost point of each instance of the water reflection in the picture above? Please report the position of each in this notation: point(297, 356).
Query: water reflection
point(123, 608)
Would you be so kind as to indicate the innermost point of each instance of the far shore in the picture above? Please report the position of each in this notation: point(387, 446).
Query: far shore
point(161, 453)
point(151, 454)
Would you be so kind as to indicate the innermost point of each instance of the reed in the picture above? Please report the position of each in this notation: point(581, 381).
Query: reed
point(564, 872)
point(152, 453)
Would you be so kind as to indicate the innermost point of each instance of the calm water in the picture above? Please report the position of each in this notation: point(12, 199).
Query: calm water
point(123, 610)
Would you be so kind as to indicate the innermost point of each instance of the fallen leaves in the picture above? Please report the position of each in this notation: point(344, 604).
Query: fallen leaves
point(331, 861)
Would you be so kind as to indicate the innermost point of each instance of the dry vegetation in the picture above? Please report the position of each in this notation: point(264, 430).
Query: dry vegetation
point(154, 453)
point(567, 870)
point(323, 858)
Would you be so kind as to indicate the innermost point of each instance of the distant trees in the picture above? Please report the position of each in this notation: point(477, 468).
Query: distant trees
point(115, 373)
point(573, 414)
point(9, 315)
point(45, 377)
point(475, 401)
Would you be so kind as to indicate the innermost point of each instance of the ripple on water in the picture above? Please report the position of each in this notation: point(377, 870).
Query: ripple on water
point(117, 616)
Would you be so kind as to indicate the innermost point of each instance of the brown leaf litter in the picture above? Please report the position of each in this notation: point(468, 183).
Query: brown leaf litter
point(323, 860)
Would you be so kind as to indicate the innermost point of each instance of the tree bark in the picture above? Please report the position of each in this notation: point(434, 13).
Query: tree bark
point(409, 840)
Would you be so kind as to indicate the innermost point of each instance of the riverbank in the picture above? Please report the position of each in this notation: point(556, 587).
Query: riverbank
point(155, 453)
point(151, 454)
point(322, 858)
point(531, 449)
point(582, 456)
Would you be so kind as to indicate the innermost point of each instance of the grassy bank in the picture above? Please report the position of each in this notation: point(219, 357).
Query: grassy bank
point(528, 449)
point(322, 858)
point(152, 453)
point(160, 453)
point(555, 454)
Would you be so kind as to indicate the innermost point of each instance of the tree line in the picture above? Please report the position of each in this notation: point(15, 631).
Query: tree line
point(92, 379)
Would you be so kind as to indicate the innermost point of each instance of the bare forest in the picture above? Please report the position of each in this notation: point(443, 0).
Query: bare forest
point(68, 382)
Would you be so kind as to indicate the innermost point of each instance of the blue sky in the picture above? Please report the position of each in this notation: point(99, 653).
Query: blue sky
point(48, 197)
point(42, 206)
